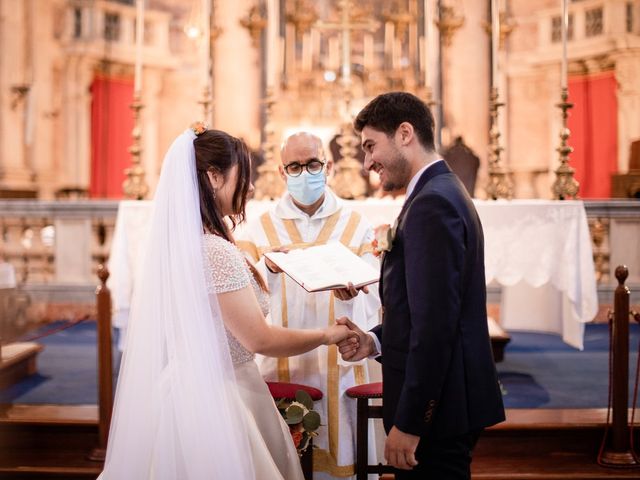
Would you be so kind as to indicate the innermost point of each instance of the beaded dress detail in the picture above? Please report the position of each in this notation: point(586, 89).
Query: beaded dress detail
point(226, 270)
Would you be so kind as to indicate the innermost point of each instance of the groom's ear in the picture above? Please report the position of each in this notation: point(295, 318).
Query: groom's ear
point(405, 134)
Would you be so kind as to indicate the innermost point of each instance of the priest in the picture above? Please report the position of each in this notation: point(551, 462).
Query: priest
point(310, 214)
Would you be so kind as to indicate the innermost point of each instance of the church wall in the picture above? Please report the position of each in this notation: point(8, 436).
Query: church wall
point(528, 138)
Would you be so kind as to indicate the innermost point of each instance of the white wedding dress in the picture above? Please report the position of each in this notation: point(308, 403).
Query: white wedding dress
point(274, 455)
point(190, 403)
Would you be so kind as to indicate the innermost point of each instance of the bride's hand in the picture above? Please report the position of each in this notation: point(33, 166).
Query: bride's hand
point(338, 333)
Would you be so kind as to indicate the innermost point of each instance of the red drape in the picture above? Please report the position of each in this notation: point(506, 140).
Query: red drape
point(593, 122)
point(111, 126)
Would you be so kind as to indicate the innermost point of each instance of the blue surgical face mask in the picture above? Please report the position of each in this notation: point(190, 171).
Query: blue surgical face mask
point(306, 189)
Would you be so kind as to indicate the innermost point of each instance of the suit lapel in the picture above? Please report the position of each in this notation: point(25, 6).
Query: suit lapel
point(432, 171)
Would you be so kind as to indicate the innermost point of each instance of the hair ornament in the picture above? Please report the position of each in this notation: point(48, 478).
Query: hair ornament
point(199, 127)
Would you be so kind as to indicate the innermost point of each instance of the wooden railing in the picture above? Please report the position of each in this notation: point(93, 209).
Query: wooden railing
point(617, 444)
point(105, 365)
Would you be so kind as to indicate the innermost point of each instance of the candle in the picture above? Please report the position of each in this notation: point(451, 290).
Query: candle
point(306, 52)
point(272, 40)
point(334, 55)
point(367, 54)
point(206, 41)
point(397, 52)
point(424, 48)
point(315, 46)
point(495, 38)
point(137, 77)
point(565, 26)
point(346, 49)
point(388, 42)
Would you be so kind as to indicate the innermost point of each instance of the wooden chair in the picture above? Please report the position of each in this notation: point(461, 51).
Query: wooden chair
point(287, 391)
point(362, 394)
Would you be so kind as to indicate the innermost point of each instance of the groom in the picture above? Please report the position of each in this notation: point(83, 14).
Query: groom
point(440, 386)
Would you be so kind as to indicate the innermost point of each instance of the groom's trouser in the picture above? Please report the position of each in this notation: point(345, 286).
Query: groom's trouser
point(443, 459)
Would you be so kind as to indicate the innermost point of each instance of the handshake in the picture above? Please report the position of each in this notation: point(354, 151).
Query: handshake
point(353, 344)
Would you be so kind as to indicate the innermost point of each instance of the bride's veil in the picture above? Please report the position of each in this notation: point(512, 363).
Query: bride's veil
point(176, 413)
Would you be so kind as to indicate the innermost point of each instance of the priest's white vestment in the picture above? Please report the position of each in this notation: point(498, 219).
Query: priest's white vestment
point(293, 307)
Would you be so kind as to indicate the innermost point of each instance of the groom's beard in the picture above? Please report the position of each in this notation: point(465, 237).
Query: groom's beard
point(397, 172)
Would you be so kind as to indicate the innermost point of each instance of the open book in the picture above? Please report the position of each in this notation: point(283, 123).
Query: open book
point(325, 267)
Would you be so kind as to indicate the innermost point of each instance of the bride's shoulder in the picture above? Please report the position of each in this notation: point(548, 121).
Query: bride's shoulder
point(212, 241)
point(225, 265)
point(220, 247)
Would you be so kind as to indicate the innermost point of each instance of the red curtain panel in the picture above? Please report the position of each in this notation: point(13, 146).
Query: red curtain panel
point(111, 126)
point(593, 122)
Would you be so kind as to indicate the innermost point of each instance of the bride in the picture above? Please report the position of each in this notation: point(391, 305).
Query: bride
point(190, 402)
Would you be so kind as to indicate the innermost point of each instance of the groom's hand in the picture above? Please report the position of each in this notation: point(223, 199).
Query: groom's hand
point(352, 352)
point(400, 449)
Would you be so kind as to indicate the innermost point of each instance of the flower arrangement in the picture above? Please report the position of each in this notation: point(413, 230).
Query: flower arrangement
point(383, 238)
point(302, 419)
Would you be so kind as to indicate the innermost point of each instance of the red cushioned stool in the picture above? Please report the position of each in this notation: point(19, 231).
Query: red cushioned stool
point(363, 393)
point(288, 391)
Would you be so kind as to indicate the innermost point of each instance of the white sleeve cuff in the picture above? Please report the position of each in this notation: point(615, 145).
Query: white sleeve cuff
point(376, 342)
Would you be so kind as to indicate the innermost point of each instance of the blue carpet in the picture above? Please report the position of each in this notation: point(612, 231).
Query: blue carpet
point(539, 370)
point(67, 368)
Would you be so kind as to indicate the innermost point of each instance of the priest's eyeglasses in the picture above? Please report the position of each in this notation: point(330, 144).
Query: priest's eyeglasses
point(295, 169)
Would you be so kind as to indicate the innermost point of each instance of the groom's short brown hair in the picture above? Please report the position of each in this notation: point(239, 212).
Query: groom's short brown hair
point(387, 111)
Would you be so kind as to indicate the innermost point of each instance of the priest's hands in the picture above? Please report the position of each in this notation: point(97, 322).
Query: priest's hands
point(272, 267)
point(354, 351)
point(349, 292)
point(400, 449)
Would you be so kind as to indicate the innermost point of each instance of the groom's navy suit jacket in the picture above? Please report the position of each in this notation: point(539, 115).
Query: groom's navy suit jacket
point(438, 371)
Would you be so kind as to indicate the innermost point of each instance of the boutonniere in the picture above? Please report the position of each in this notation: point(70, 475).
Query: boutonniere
point(383, 238)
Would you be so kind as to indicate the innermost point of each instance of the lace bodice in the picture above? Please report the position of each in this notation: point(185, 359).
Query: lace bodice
point(226, 270)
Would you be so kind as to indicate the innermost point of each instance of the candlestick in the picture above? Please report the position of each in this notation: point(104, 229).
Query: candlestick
point(206, 42)
point(272, 39)
point(426, 44)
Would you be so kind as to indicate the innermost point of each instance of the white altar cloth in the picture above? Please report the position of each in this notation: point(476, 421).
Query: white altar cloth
point(539, 251)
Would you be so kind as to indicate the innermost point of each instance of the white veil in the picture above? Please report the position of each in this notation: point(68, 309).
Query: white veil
point(176, 408)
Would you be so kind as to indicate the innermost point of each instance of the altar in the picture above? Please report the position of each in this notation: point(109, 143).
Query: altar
point(538, 251)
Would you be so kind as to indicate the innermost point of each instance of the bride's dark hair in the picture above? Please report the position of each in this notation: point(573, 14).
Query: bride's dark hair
point(217, 151)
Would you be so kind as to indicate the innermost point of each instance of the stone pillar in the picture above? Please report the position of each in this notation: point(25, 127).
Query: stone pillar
point(627, 72)
point(466, 74)
point(237, 94)
point(76, 108)
point(16, 80)
point(73, 250)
